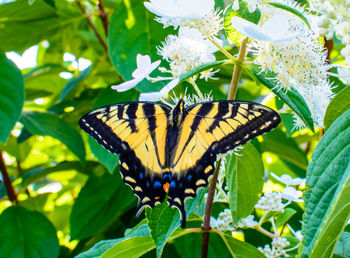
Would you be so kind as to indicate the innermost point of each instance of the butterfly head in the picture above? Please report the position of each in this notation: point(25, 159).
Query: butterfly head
point(177, 112)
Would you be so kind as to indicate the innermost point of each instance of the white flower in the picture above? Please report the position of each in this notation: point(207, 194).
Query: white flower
point(276, 29)
point(224, 221)
point(271, 201)
point(288, 180)
point(280, 243)
point(345, 52)
point(291, 194)
point(193, 9)
point(186, 51)
point(155, 96)
point(144, 68)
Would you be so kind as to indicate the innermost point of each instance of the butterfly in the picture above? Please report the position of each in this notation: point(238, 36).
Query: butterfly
point(170, 153)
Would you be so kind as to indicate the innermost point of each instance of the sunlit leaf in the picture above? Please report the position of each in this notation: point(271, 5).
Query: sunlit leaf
point(327, 201)
point(50, 124)
point(245, 178)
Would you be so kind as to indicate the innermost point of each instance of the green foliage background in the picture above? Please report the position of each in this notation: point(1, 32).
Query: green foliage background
point(92, 213)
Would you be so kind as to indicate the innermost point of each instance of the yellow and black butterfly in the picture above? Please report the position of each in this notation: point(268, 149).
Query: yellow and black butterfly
point(170, 152)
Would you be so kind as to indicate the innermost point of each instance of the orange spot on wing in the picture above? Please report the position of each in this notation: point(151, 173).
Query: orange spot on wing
point(166, 187)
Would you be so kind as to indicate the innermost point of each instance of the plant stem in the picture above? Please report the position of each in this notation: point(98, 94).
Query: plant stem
point(231, 96)
point(207, 213)
point(195, 86)
point(91, 24)
point(238, 69)
point(9, 188)
point(224, 51)
point(104, 16)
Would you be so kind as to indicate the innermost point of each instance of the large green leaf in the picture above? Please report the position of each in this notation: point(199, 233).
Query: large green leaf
point(26, 234)
point(113, 247)
point(245, 179)
point(11, 96)
point(343, 246)
point(50, 124)
point(291, 97)
point(23, 25)
point(98, 203)
point(163, 220)
point(133, 30)
point(327, 201)
point(337, 106)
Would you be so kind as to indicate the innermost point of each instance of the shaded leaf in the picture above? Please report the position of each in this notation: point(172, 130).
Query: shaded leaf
point(26, 234)
point(11, 96)
point(73, 85)
point(284, 217)
point(101, 200)
point(238, 248)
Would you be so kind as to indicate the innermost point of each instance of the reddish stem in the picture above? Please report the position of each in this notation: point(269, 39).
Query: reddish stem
point(9, 188)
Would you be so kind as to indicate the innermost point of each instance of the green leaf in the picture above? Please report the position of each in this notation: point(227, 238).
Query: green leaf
point(26, 234)
point(190, 245)
point(107, 97)
point(339, 104)
point(291, 10)
point(23, 25)
point(50, 124)
point(20, 151)
point(73, 85)
point(163, 220)
point(284, 217)
point(110, 248)
point(242, 12)
point(327, 201)
point(245, 179)
point(240, 249)
point(133, 30)
point(131, 247)
point(292, 97)
point(200, 68)
point(101, 200)
point(11, 96)
point(343, 246)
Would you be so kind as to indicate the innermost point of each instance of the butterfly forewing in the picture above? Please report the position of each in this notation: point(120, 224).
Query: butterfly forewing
point(136, 131)
point(208, 129)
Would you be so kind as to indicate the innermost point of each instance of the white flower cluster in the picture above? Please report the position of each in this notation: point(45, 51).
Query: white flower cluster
point(285, 45)
point(247, 222)
point(334, 19)
point(278, 244)
point(271, 201)
point(186, 50)
point(198, 22)
point(224, 221)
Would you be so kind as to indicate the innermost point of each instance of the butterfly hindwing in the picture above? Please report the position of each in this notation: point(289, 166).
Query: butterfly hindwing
point(208, 129)
point(136, 132)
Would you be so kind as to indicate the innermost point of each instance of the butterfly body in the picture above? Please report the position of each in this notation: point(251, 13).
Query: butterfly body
point(169, 152)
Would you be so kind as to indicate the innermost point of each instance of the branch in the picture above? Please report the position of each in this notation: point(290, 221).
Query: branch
point(237, 70)
point(91, 24)
point(9, 188)
point(231, 96)
point(104, 16)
